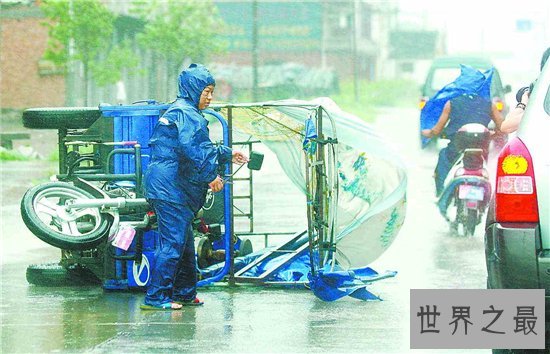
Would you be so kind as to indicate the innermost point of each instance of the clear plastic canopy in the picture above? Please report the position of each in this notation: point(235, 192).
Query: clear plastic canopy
point(371, 177)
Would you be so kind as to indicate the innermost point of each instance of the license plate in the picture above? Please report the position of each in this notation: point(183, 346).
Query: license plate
point(470, 192)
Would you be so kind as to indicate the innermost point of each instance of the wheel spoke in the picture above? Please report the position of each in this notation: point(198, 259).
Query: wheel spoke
point(65, 228)
point(44, 211)
point(78, 213)
point(70, 228)
point(74, 228)
point(47, 207)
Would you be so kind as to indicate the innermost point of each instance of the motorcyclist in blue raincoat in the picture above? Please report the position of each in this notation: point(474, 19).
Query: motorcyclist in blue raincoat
point(465, 100)
point(184, 164)
point(458, 111)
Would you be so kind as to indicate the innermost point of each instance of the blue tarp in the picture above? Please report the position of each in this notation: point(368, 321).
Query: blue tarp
point(327, 285)
point(470, 80)
point(333, 285)
point(310, 133)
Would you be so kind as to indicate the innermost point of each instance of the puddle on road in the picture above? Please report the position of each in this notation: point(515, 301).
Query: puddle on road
point(86, 318)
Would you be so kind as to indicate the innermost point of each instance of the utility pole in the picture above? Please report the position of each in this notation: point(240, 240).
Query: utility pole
point(353, 18)
point(255, 51)
point(70, 86)
point(323, 38)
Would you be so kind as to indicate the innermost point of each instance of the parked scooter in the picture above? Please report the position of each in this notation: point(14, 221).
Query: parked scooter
point(467, 188)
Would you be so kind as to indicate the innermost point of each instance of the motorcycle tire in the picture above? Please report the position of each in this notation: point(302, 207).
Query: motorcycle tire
point(60, 117)
point(470, 222)
point(75, 230)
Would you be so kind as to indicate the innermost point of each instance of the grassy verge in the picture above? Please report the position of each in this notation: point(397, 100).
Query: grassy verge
point(12, 155)
point(370, 95)
point(54, 156)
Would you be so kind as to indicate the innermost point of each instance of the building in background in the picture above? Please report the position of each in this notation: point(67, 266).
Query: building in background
point(26, 79)
point(352, 38)
point(349, 36)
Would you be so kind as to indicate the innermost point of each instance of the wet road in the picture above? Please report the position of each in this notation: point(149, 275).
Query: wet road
point(244, 318)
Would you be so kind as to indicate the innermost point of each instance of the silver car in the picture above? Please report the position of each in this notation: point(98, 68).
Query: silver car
point(517, 236)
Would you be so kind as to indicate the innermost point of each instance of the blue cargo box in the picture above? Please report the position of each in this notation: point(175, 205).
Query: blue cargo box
point(133, 123)
point(139, 275)
point(127, 273)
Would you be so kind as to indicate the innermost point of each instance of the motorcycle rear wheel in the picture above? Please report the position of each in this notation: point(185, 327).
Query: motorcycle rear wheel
point(465, 221)
point(42, 210)
point(470, 222)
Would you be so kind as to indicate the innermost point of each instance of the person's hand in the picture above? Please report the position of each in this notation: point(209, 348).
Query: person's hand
point(239, 157)
point(216, 185)
point(525, 97)
point(427, 133)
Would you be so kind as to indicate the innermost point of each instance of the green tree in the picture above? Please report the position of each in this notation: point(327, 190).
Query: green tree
point(82, 30)
point(109, 70)
point(178, 30)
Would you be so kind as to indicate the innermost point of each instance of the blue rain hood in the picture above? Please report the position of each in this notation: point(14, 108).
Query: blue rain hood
point(192, 81)
point(470, 81)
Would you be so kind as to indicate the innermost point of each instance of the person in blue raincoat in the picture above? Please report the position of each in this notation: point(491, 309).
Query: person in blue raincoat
point(184, 164)
point(466, 100)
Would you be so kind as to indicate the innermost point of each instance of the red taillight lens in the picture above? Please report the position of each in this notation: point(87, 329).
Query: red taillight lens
point(515, 192)
point(498, 104)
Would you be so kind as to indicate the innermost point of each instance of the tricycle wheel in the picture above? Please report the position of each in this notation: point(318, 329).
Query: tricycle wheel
point(43, 211)
point(245, 247)
point(60, 117)
point(53, 274)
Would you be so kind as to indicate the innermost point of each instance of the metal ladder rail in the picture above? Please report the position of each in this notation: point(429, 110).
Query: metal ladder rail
point(250, 196)
point(285, 248)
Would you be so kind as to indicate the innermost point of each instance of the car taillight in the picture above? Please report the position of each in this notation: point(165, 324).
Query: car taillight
point(515, 192)
point(499, 104)
point(422, 103)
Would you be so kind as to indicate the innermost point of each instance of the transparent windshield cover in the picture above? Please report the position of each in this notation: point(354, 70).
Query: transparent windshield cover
point(371, 195)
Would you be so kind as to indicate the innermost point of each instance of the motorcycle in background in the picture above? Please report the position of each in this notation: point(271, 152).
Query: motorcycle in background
point(467, 188)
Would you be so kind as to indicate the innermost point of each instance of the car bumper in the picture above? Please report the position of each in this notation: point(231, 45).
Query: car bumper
point(514, 257)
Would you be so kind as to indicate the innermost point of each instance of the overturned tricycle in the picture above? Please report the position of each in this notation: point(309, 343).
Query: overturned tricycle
point(96, 214)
